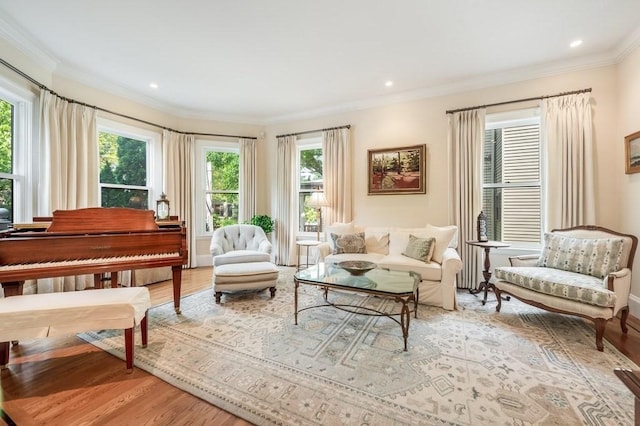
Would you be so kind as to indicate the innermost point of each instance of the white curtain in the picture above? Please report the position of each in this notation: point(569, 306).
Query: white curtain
point(179, 178)
point(336, 171)
point(568, 138)
point(287, 203)
point(248, 179)
point(466, 138)
point(69, 141)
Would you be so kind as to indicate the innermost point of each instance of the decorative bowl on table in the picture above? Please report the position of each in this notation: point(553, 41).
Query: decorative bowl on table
point(357, 267)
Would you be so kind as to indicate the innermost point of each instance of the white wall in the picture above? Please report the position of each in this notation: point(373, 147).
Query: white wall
point(628, 191)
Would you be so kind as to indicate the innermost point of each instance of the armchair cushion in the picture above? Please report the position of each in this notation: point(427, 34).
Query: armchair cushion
point(556, 282)
point(241, 256)
point(595, 257)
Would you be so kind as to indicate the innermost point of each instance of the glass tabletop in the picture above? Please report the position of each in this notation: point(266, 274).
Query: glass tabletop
point(380, 280)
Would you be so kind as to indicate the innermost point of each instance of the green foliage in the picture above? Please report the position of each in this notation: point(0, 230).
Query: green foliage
point(311, 163)
point(123, 161)
point(225, 170)
point(263, 221)
point(6, 155)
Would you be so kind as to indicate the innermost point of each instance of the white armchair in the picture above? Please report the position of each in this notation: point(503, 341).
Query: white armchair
point(242, 260)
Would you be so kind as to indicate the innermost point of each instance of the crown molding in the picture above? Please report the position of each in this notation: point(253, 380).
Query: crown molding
point(482, 82)
point(629, 44)
point(20, 40)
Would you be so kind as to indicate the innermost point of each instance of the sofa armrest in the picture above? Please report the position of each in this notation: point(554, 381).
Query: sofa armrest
point(620, 283)
point(265, 246)
point(324, 250)
point(524, 260)
point(216, 249)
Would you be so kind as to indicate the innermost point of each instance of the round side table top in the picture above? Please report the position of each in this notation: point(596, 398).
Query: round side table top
point(308, 243)
point(491, 244)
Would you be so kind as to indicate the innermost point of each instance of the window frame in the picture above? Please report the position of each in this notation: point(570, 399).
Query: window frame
point(303, 144)
point(515, 118)
point(154, 158)
point(202, 146)
point(24, 146)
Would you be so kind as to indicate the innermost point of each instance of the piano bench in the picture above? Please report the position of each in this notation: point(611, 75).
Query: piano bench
point(244, 276)
point(33, 316)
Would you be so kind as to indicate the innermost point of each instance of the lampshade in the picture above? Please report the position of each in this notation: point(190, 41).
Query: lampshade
point(317, 200)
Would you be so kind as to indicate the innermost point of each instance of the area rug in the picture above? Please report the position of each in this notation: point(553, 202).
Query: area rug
point(472, 366)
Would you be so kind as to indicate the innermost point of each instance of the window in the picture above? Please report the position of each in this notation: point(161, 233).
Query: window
point(15, 153)
point(221, 187)
point(511, 196)
point(310, 180)
point(126, 172)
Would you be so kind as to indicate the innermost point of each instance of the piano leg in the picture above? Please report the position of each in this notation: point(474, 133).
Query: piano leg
point(177, 284)
point(4, 355)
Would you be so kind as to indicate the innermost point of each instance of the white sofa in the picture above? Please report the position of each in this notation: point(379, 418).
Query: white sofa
point(385, 245)
point(583, 271)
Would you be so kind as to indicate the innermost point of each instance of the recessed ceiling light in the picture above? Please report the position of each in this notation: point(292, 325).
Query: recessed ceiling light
point(388, 83)
point(576, 43)
point(153, 85)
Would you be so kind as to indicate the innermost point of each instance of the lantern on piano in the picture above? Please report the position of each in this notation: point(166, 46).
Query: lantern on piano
point(162, 207)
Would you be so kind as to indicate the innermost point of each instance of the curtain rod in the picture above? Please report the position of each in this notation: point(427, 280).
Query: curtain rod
point(537, 98)
point(348, 126)
point(73, 101)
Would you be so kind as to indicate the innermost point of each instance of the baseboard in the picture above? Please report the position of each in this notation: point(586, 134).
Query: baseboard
point(634, 305)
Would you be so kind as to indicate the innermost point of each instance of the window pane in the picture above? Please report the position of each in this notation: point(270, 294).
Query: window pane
point(6, 200)
point(119, 197)
point(309, 217)
point(222, 210)
point(6, 137)
point(311, 169)
point(123, 160)
point(223, 171)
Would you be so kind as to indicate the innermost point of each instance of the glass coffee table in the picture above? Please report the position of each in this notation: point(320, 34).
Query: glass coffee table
point(401, 286)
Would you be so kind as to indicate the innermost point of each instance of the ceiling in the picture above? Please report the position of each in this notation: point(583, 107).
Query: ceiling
point(264, 61)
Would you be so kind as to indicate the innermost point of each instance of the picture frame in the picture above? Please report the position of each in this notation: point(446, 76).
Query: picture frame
point(632, 153)
point(397, 170)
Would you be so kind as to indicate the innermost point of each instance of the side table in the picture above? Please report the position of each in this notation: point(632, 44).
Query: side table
point(308, 244)
point(487, 246)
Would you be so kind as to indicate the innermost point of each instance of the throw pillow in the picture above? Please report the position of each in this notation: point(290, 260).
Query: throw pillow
point(377, 242)
point(444, 237)
point(349, 243)
point(420, 248)
point(595, 257)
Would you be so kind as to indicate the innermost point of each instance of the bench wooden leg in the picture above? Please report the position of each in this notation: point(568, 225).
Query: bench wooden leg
point(143, 329)
point(4, 355)
point(128, 348)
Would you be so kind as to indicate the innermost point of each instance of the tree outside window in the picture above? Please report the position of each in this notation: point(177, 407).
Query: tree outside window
point(6, 158)
point(123, 171)
point(221, 188)
point(311, 180)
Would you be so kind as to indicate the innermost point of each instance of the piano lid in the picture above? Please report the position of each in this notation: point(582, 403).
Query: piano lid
point(103, 219)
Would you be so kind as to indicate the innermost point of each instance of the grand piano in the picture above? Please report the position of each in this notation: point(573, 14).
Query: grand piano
point(93, 240)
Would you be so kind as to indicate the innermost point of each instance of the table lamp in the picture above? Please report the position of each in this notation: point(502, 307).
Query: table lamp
point(317, 200)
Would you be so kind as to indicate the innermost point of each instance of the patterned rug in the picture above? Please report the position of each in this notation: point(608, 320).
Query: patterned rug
point(467, 367)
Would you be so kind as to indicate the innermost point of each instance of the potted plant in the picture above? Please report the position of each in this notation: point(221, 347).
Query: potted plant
point(263, 221)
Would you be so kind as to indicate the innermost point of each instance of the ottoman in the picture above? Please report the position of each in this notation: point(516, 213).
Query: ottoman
point(244, 276)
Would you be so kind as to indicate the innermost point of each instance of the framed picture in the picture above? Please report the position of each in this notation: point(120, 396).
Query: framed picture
point(397, 170)
point(632, 153)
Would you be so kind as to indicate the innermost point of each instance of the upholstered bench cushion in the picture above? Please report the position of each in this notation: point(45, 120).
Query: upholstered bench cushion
point(556, 282)
point(51, 314)
point(241, 256)
point(245, 272)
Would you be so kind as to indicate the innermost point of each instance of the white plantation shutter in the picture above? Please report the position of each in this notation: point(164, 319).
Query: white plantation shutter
point(512, 186)
point(521, 168)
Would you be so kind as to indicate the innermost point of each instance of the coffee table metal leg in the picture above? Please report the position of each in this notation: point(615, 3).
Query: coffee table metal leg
point(405, 318)
point(295, 301)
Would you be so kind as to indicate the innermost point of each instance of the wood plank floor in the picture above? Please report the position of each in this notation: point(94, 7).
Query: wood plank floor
point(66, 381)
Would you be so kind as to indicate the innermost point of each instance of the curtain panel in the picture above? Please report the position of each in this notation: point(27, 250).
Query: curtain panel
point(68, 139)
point(179, 178)
point(336, 171)
point(248, 179)
point(568, 152)
point(287, 202)
point(466, 138)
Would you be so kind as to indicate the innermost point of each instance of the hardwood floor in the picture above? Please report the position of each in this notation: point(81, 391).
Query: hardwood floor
point(66, 381)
